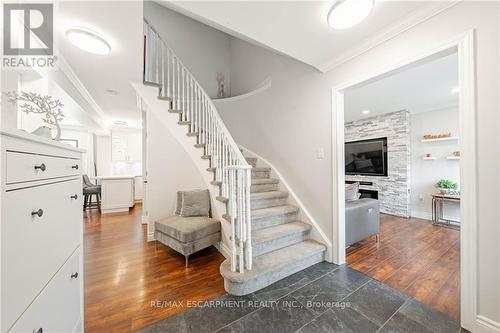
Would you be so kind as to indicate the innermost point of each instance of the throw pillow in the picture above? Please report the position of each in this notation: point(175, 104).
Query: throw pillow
point(179, 203)
point(351, 192)
point(195, 203)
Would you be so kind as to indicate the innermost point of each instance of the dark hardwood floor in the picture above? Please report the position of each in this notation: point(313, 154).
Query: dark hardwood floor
point(124, 275)
point(416, 258)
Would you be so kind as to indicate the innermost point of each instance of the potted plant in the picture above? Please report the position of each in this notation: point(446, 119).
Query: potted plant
point(446, 186)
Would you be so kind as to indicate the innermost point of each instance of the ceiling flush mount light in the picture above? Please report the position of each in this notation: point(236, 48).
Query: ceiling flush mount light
point(455, 90)
point(88, 40)
point(120, 122)
point(365, 111)
point(347, 13)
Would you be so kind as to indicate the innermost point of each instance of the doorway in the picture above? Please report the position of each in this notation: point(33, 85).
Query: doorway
point(463, 47)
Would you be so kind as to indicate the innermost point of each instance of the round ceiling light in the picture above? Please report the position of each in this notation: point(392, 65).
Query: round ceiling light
point(347, 13)
point(88, 40)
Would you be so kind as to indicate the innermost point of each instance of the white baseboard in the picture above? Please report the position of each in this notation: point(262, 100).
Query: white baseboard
point(421, 215)
point(223, 249)
point(428, 216)
point(487, 325)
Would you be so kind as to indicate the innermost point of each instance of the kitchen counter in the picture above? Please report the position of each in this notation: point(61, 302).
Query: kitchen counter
point(117, 193)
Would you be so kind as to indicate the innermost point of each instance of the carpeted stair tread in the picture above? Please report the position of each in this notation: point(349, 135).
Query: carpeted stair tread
point(273, 211)
point(258, 169)
point(278, 231)
point(273, 266)
point(264, 181)
point(268, 195)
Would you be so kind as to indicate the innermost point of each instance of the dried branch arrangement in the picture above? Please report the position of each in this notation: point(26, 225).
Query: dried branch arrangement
point(30, 102)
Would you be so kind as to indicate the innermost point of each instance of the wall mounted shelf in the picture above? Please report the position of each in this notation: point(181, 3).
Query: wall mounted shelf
point(440, 139)
point(428, 158)
point(452, 157)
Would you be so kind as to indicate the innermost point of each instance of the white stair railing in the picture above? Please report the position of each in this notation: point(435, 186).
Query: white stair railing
point(162, 68)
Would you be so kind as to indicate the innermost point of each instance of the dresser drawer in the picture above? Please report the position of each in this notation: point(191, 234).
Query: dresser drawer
point(58, 307)
point(34, 247)
point(24, 167)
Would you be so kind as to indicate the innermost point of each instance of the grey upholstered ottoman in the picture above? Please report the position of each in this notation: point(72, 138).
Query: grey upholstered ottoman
point(188, 235)
point(362, 220)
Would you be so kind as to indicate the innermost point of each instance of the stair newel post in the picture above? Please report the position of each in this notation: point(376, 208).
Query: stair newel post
point(232, 211)
point(248, 247)
point(241, 221)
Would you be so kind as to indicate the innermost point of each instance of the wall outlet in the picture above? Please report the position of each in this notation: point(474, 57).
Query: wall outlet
point(420, 197)
point(320, 153)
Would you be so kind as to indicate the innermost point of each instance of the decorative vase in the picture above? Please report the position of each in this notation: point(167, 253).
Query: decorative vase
point(43, 131)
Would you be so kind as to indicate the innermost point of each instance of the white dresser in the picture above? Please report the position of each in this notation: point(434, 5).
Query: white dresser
point(41, 233)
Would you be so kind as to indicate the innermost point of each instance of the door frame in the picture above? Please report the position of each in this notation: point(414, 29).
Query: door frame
point(465, 48)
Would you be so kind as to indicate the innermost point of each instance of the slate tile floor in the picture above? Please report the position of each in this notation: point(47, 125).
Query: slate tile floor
point(322, 298)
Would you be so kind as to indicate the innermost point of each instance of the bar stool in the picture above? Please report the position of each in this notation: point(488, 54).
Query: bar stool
point(90, 189)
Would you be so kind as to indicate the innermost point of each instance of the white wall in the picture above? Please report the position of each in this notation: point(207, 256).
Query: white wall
point(82, 135)
point(205, 51)
point(169, 169)
point(287, 123)
point(425, 173)
point(103, 155)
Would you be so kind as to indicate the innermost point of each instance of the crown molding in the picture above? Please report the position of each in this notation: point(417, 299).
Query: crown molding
point(63, 65)
point(389, 33)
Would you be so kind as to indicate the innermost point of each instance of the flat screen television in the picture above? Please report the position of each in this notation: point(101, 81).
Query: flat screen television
point(366, 157)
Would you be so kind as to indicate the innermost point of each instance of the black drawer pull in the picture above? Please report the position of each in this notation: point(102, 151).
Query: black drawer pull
point(74, 196)
point(74, 167)
point(37, 212)
point(74, 275)
point(41, 167)
point(40, 330)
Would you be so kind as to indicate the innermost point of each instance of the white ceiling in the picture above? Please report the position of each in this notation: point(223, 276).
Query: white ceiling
point(120, 23)
point(420, 88)
point(299, 28)
point(74, 115)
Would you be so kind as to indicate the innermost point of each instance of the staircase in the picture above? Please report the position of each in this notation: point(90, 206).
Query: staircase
point(280, 241)
point(266, 240)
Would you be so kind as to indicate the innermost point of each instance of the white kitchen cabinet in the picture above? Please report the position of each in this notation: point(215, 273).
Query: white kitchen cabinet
point(117, 193)
point(126, 145)
point(41, 234)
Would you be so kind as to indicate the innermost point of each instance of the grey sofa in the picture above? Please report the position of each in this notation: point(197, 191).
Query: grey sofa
point(188, 235)
point(362, 220)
